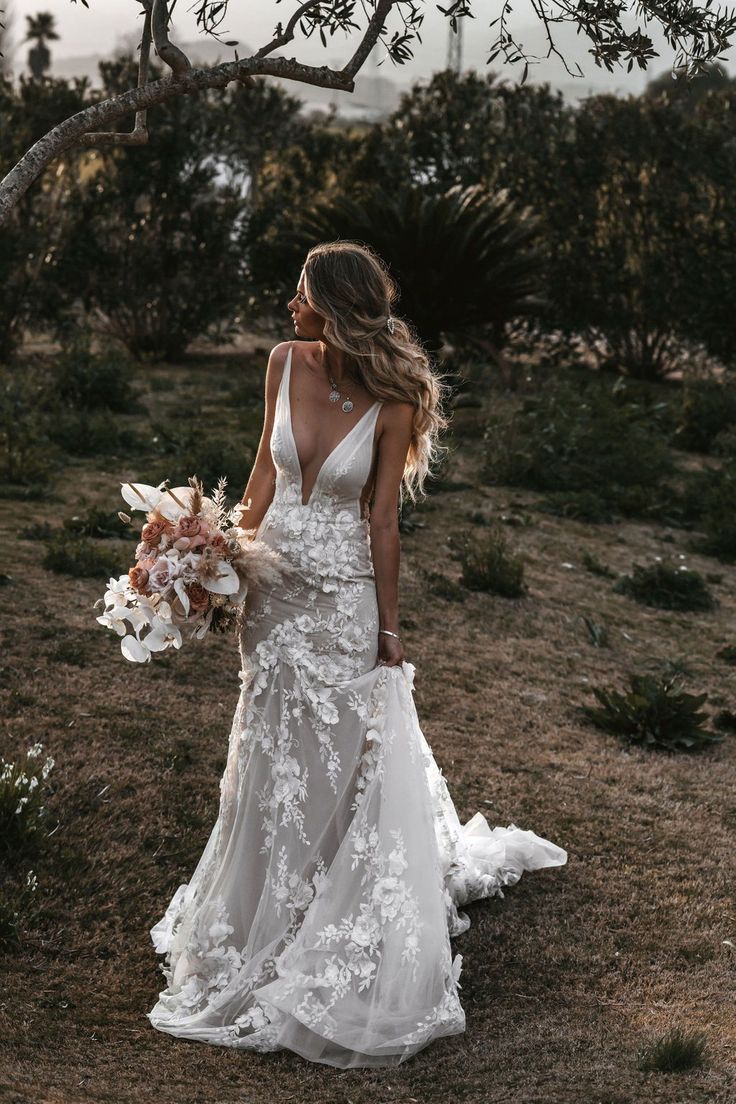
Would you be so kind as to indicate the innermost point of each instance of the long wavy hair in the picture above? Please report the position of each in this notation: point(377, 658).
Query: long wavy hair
point(349, 285)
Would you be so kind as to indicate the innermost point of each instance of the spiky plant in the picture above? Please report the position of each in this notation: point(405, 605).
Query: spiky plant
point(489, 272)
point(673, 1052)
point(655, 712)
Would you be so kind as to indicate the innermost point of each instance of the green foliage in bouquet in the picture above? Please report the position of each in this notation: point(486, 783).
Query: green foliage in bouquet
point(655, 712)
point(673, 1052)
point(667, 586)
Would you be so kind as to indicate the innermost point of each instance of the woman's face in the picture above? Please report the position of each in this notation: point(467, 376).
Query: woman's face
point(307, 323)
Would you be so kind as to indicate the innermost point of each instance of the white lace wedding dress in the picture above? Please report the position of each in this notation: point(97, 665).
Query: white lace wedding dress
point(320, 913)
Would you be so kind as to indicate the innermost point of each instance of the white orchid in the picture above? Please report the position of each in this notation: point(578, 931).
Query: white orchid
point(115, 618)
point(162, 635)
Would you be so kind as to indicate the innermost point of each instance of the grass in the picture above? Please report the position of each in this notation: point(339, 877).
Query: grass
point(674, 1052)
point(563, 980)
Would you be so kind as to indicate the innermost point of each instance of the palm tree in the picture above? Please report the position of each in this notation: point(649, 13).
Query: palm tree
point(41, 29)
point(465, 260)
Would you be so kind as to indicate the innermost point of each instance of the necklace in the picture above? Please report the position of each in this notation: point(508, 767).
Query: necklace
point(335, 394)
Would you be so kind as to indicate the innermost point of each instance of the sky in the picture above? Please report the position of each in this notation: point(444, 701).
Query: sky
point(101, 27)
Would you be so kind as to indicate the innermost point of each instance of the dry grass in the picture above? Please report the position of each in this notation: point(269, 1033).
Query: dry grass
point(563, 981)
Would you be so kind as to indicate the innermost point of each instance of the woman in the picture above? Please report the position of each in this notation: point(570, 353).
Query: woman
point(319, 916)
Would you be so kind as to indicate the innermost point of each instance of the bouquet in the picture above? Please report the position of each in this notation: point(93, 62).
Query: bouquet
point(194, 565)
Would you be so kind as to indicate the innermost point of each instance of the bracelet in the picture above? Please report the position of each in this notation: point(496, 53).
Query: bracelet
point(389, 633)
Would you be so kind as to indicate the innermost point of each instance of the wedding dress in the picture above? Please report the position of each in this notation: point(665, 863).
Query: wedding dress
point(320, 913)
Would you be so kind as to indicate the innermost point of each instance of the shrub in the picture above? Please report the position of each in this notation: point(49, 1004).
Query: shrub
point(711, 499)
point(80, 556)
point(27, 459)
point(673, 1052)
point(99, 523)
point(22, 812)
point(209, 456)
point(91, 433)
point(444, 587)
point(708, 409)
point(595, 566)
point(94, 381)
point(593, 453)
point(728, 654)
point(655, 713)
point(667, 586)
point(487, 565)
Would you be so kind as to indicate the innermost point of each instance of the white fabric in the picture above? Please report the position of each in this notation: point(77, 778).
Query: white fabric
point(320, 913)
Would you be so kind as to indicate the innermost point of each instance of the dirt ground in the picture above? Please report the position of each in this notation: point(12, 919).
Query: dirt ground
point(563, 980)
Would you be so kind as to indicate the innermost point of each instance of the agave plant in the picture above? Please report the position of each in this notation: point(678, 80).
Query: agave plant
point(653, 712)
point(464, 259)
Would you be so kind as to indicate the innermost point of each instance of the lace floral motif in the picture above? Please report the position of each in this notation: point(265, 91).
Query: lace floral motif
point(323, 902)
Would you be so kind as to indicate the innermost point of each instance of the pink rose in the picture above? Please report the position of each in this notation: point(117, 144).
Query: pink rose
point(161, 574)
point(152, 532)
point(138, 575)
point(199, 598)
point(188, 526)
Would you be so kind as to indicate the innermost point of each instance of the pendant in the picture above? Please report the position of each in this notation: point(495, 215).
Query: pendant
point(334, 396)
point(347, 406)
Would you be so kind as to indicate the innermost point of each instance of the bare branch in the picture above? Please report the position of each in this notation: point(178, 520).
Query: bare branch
point(170, 54)
point(138, 136)
point(72, 131)
point(375, 27)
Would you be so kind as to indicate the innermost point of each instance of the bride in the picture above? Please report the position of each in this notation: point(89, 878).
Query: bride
point(319, 916)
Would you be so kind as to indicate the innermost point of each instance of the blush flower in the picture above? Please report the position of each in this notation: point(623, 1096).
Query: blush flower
point(199, 598)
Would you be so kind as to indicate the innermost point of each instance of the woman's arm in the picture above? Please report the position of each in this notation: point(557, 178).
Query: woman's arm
point(393, 446)
point(262, 480)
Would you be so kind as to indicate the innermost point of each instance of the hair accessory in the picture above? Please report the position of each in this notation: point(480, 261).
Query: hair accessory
point(390, 324)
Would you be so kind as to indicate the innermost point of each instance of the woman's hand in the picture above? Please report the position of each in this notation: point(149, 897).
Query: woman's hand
point(390, 651)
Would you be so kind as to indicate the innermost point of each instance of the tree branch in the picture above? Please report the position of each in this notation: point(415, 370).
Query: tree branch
point(286, 36)
point(138, 136)
point(72, 131)
point(375, 27)
point(170, 54)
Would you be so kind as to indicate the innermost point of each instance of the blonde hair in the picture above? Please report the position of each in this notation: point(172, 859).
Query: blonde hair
point(350, 287)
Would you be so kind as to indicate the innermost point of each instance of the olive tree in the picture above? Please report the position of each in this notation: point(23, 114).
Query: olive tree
point(697, 32)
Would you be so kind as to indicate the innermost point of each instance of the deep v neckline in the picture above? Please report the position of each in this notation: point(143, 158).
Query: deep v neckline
point(290, 423)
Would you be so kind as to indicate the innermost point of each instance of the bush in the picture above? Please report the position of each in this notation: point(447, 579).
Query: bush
point(89, 381)
point(708, 410)
point(80, 556)
point(667, 586)
point(27, 459)
point(207, 455)
point(91, 433)
point(711, 500)
point(22, 812)
point(653, 712)
point(673, 1052)
point(487, 565)
point(593, 453)
point(100, 523)
point(444, 587)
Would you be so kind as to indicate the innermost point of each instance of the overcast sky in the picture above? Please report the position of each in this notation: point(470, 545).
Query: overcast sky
point(101, 27)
